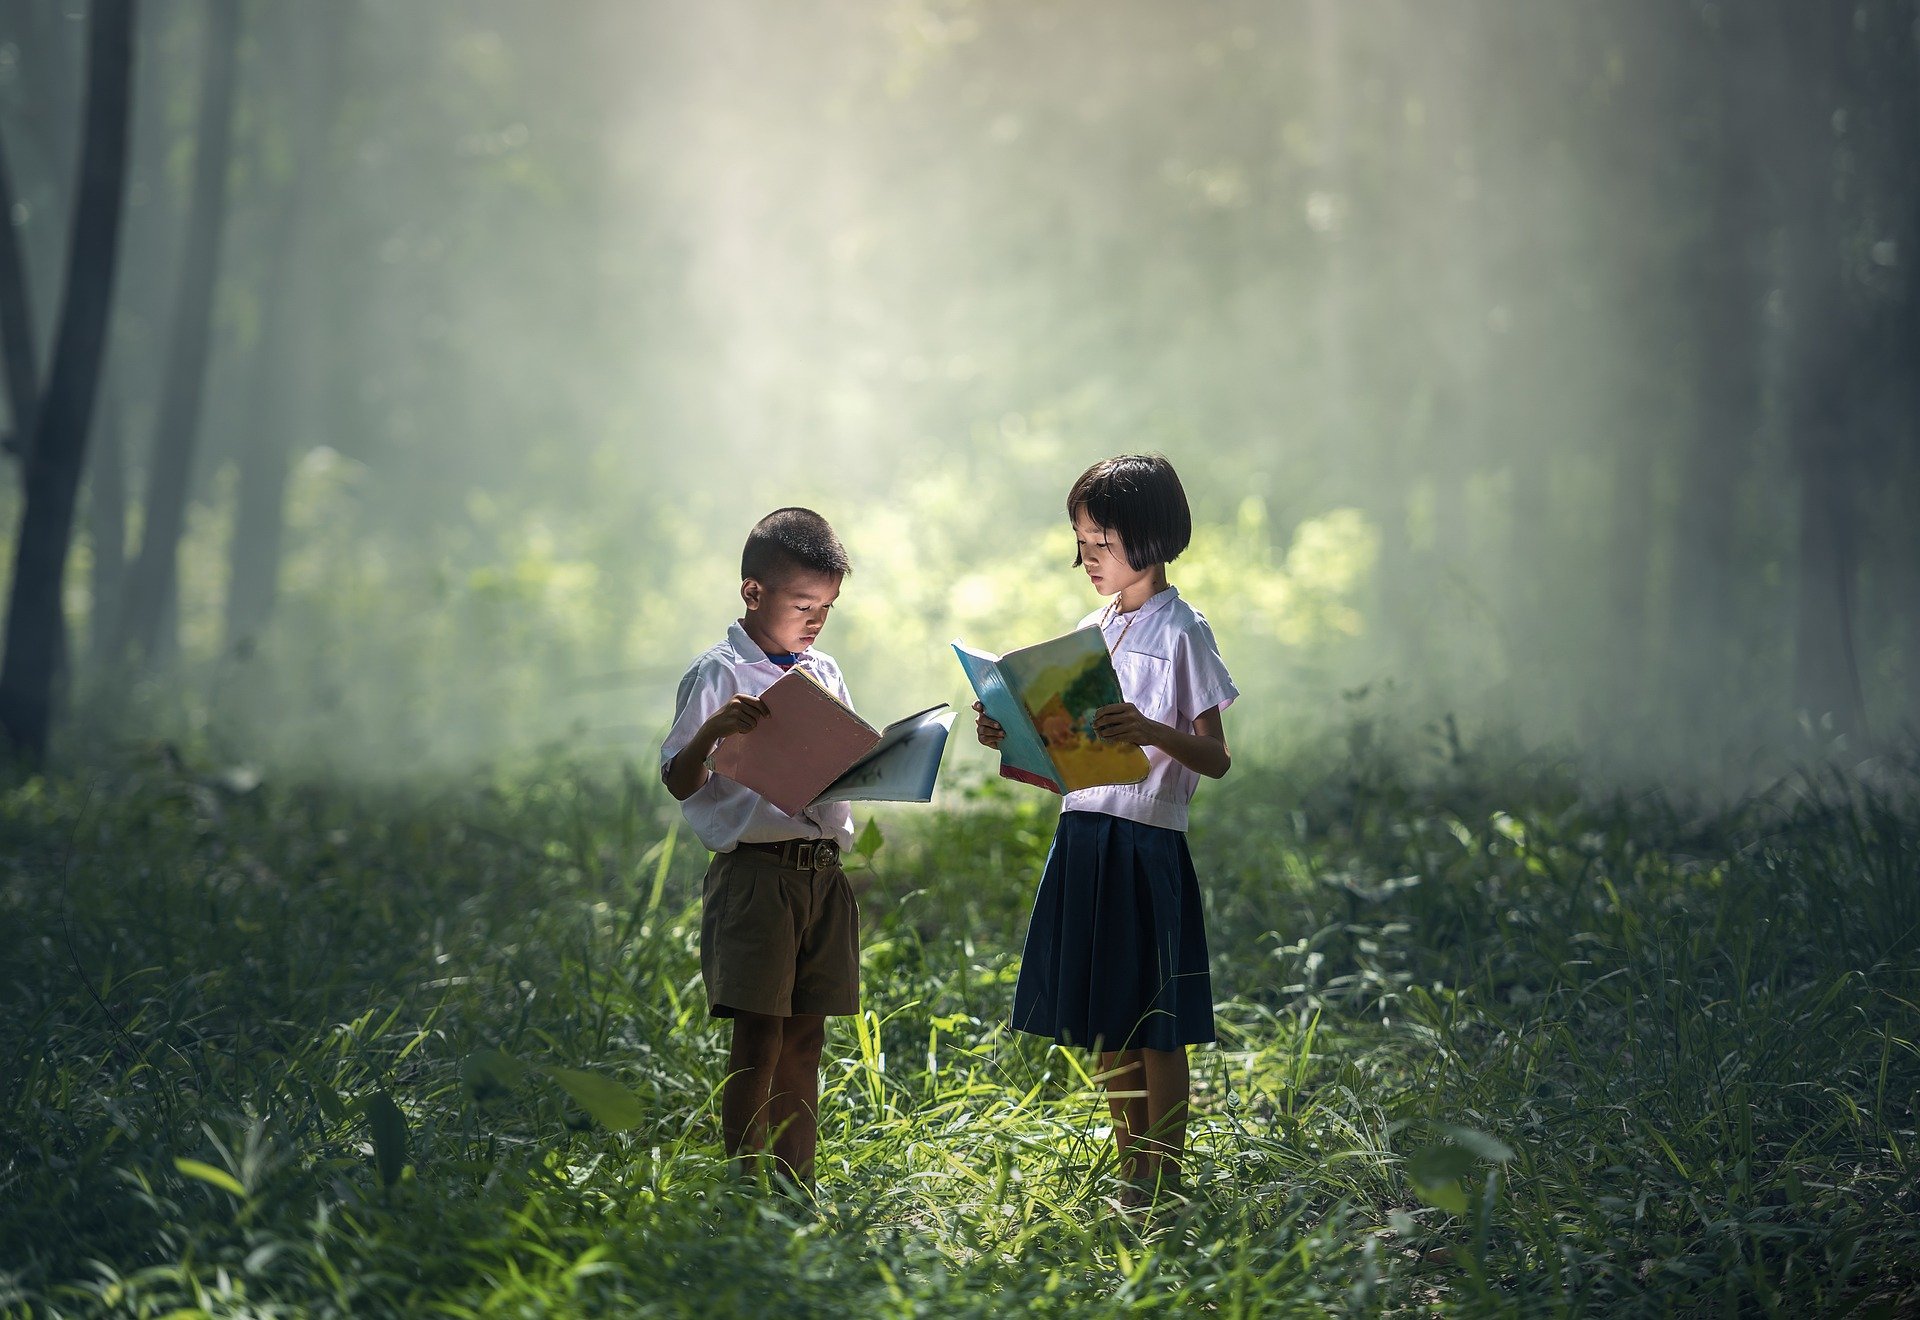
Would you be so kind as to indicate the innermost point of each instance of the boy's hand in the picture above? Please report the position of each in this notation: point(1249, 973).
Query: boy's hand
point(1125, 724)
point(988, 731)
point(737, 716)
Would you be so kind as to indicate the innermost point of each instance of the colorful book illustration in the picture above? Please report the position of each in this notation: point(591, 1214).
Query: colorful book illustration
point(812, 748)
point(1044, 697)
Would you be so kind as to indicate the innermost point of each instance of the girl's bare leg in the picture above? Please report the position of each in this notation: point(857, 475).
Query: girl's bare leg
point(1125, 1083)
point(1164, 1134)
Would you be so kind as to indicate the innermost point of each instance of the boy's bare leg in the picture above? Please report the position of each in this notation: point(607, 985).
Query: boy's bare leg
point(1165, 1131)
point(795, 1102)
point(1120, 1074)
point(751, 1063)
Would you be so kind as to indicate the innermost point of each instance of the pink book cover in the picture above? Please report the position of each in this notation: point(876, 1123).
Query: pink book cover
point(806, 741)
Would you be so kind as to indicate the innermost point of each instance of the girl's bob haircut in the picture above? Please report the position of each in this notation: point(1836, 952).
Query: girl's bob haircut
point(1140, 497)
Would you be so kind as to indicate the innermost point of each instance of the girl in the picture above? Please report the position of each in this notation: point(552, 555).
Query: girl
point(1116, 955)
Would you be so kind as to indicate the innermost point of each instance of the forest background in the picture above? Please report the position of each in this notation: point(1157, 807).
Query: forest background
point(1549, 369)
point(389, 384)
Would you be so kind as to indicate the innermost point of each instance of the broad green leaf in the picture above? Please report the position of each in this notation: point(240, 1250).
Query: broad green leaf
point(207, 1173)
point(870, 839)
point(487, 1072)
point(612, 1105)
point(1440, 1163)
point(1479, 1144)
point(1436, 1172)
point(1448, 1196)
point(388, 1127)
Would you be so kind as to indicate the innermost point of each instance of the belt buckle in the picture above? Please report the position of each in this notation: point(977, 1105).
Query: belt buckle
point(803, 856)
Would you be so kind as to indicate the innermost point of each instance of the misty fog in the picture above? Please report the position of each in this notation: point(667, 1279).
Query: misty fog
point(1550, 367)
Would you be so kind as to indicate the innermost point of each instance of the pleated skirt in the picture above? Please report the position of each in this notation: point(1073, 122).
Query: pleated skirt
point(1116, 952)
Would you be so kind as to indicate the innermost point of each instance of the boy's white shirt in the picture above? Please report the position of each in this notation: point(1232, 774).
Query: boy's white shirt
point(1170, 668)
point(723, 813)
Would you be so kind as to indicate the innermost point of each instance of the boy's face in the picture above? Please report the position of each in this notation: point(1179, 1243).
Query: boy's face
point(785, 615)
point(1103, 556)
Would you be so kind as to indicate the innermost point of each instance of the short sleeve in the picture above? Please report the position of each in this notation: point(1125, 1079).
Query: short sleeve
point(1200, 676)
point(840, 688)
point(704, 688)
point(825, 671)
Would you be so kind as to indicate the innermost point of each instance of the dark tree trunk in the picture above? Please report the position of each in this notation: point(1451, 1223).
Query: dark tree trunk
point(1459, 343)
point(45, 150)
point(1727, 306)
point(255, 551)
point(18, 367)
point(1821, 352)
point(1906, 369)
point(1826, 670)
point(1629, 572)
point(260, 524)
point(148, 612)
point(35, 626)
point(1896, 467)
point(1908, 583)
point(107, 517)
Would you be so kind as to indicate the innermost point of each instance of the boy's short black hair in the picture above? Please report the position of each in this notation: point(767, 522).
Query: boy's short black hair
point(1140, 497)
point(792, 538)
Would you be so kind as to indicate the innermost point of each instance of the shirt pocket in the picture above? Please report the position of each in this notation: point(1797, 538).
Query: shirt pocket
point(1147, 681)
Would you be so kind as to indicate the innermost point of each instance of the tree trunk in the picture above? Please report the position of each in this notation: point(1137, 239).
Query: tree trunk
point(1896, 462)
point(1821, 351)
point(1826, 670)
point(35, 625)
point(18, 367)
point(1906, 369)
point(149, 608)
point(1331, 215)
point(260, 524)
point(107, 518)
point(1908, 583)
point(48, 53)
point(1629, 569)
point(1727, 308)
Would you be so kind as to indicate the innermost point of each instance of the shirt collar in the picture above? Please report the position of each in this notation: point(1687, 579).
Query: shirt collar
point(750, 653)
point(1153, 604)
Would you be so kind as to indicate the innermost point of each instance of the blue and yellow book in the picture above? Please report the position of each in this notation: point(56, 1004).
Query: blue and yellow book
point(1045, 696)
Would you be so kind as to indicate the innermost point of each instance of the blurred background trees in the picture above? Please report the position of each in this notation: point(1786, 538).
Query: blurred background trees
point(1552, 366)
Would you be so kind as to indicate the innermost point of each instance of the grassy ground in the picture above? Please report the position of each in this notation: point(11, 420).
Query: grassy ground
point(1488, 1047)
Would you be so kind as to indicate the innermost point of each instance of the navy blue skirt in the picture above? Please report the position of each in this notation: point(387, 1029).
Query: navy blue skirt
point(1116, 954)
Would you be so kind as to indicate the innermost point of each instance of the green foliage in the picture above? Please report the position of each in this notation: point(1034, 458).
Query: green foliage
point(515, 631)
point(870, 839)
point(388, 1128)
point(1487, 1047)
point(612, 1105)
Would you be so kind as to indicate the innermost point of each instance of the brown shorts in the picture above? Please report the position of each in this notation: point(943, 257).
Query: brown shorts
point(777, 940)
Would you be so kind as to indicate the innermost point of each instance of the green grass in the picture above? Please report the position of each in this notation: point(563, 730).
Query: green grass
point(1490, 1045)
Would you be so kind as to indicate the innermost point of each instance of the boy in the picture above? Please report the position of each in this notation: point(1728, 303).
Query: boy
point(779, 928)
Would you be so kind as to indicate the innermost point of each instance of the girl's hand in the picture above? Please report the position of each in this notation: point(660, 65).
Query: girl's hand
point(988, 731)
point(1125, 724)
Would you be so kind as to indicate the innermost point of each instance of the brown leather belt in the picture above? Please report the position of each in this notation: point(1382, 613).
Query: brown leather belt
point(800, 854)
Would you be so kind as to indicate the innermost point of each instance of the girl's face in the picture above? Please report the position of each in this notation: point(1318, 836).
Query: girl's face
point(785, 616)
point(1104, 557)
